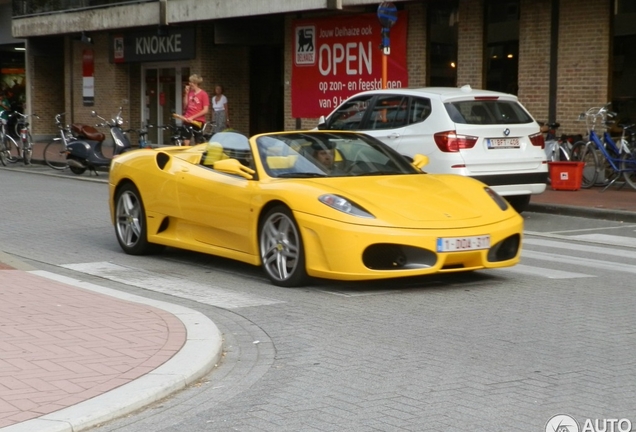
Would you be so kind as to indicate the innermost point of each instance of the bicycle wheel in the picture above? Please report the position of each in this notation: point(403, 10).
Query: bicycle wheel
point(55, 155)
point(564, 153)
point(27, 149)
point(17, 127)
point(3, 152)
point(584, 152)
point(12, 149)
point(628, 167)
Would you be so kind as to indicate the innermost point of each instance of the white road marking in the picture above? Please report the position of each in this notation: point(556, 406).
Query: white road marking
point(579, 261)
point(543, 272)
point(608, 239)
point(357, 293)
point(202, 293)
point(577, 247)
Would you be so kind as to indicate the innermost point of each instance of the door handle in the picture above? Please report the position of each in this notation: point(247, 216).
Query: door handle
point(393, 136)
point(185, 169)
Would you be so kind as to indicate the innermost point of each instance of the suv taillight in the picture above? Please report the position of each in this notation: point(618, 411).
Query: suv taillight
point(449, 141)
point(537, 140)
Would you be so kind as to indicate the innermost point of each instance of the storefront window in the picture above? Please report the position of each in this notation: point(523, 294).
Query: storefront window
point(12, 76)
point(442, 40)
point(502, 50)
point(624, 64)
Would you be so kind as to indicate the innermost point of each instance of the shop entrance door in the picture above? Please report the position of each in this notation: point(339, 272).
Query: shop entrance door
point(162, 87)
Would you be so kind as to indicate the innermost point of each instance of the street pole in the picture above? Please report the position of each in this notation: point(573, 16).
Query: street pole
point(387, 15)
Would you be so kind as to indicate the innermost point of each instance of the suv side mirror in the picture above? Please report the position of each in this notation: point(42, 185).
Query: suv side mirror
point(322, 123)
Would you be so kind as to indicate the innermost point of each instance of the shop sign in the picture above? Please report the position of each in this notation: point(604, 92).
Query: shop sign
point(334, 58)
point(151, 45)
point(88, 79)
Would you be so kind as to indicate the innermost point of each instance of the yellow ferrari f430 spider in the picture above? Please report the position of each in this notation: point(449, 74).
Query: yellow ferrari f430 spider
point(327, 204)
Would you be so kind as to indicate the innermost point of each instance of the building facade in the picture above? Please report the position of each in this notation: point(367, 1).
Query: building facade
point(560, 57)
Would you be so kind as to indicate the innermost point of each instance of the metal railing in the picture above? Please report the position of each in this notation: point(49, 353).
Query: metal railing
point(27, 8)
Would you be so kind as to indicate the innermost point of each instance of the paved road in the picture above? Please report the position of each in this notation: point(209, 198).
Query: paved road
point(500, 350)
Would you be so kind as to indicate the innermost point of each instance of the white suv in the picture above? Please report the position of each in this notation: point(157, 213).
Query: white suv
point(483, 134)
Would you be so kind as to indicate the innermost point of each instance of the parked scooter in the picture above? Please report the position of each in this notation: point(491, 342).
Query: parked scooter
point(86, 153)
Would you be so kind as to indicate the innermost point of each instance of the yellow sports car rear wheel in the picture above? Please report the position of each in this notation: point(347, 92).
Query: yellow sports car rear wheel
point(281, 248)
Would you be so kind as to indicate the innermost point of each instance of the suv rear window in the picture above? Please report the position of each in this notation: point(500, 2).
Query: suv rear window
point(487, 112)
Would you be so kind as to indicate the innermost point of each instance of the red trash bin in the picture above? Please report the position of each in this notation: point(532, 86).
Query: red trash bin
point(566, 175)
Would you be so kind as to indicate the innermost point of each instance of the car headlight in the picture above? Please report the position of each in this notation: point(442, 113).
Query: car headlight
point(344, 205)
point(501, 202)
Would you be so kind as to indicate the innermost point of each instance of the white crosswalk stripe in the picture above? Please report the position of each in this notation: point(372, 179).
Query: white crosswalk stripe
point(544, 272)
point(176, 286)
point(574, 245)
point(608, 239)
point(577, 247)
point(580, 261)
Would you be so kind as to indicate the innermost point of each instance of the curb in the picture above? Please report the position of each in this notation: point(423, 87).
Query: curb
point(58, 174)
point(587, 212)
point(198, 356)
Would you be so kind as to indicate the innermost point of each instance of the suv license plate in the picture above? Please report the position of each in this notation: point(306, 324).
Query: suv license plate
point(503, 143)
point(457, 244)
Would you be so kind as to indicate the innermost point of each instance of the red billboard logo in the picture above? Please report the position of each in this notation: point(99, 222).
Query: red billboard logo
point(339, 56)
point(305, 45)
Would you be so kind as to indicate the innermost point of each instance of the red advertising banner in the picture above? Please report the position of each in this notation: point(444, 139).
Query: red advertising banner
point(88, 80)
point(337, 57)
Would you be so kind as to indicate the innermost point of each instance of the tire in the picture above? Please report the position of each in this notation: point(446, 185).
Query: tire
point(3, 153)
point(13, 150)
point(77, 170)
point(55, 156)
point(130, 222)
point(628, 166)
point(584, 152)
point(27, 150)
point(281, 248)
point(519, 202)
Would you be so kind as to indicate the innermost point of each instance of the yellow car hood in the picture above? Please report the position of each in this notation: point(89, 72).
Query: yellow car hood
point(417, 200)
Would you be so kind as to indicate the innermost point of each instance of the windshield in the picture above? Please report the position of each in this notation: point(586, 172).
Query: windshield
point(328, 154)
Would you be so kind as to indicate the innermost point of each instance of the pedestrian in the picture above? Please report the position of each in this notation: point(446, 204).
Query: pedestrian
point(196, 103)
point(221, 116)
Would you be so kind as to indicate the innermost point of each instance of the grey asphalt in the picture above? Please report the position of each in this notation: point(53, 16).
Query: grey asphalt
point(201, 345)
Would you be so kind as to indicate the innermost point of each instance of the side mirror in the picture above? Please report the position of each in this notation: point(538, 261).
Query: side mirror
point(322, 122)
point(420, 161)
point(232, 166)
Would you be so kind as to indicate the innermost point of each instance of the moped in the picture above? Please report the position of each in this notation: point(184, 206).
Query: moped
point(86, 153)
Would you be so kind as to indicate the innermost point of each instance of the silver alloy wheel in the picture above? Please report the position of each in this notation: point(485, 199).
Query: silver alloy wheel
point(128, 219)
point(280, 247)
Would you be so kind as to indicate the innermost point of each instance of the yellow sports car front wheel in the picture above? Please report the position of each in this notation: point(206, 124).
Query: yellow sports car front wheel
point(281, 248)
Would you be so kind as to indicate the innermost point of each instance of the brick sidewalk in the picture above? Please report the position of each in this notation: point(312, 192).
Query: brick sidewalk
point(61, 345)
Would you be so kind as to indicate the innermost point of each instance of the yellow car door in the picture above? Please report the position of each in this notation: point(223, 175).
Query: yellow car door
point(216, 206)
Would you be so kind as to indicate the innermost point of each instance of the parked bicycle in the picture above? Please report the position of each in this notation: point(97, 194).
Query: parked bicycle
point(556, 148)
point(180, 134)
point(23, 132)
point(142, 135)
point(56, 152)
point(602, 154)
point(9, 148)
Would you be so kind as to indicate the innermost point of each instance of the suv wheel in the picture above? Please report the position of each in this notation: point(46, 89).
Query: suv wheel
point(519, 202)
